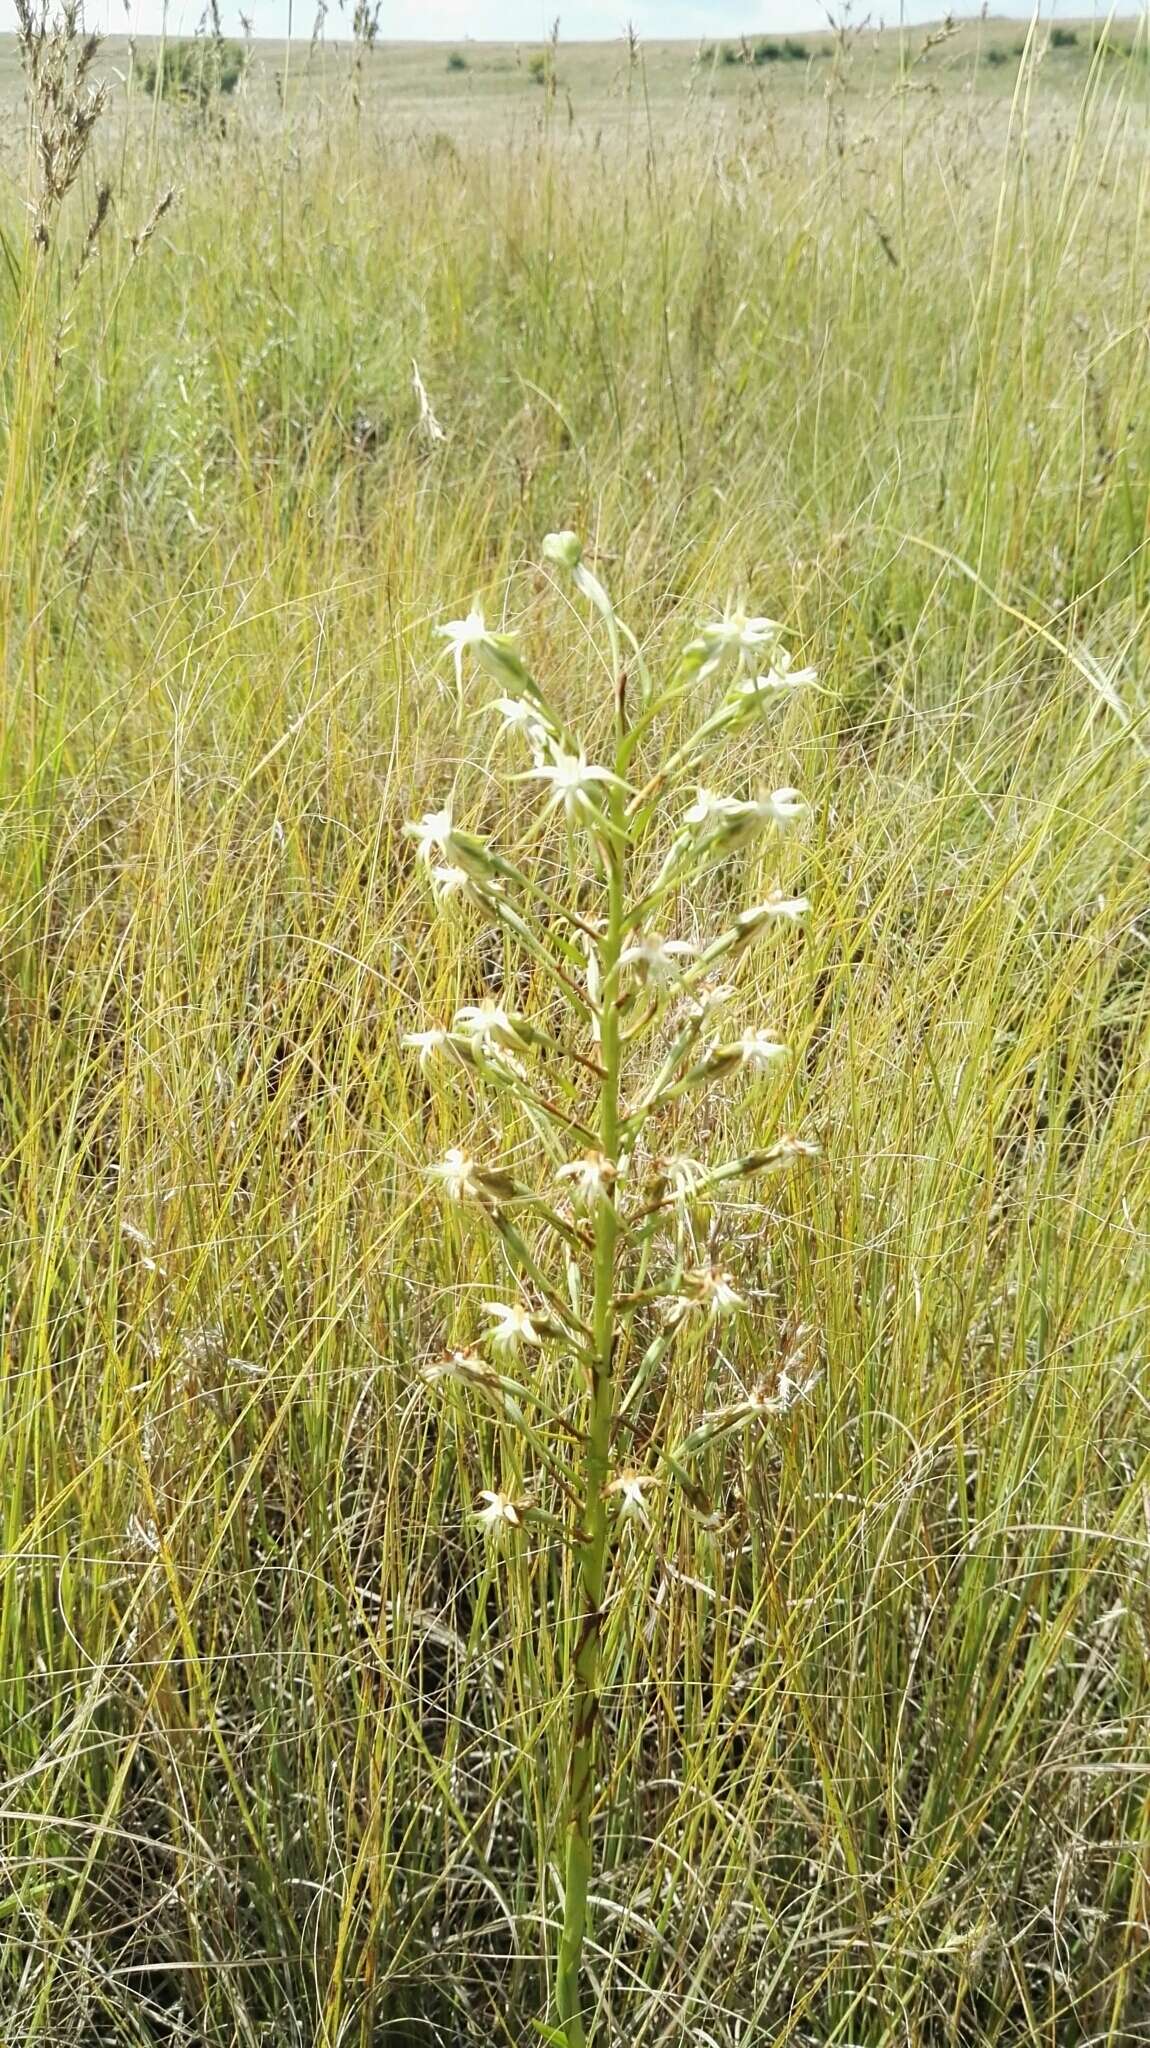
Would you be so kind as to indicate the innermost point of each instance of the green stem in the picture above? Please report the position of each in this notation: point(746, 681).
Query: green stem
point(592, 1553)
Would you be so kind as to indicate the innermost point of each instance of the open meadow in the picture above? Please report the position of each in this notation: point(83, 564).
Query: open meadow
point(305, 1665)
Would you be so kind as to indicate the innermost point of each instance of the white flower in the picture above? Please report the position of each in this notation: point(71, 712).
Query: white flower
point(465, 855)
point(462, 1366)
point(513, 1326)
point(783, 806)
point(495, 652)
point(427, 1043)
point(787, 1148)
point(515, 710)
point(491, 1024)
point(708, 996)
point(463, 1181)
point(448, 881)
point(684, 1176)
point(520, 715)
point(759, 1049)
point(464, 633)
point(709, 809)
point(656, 959)
point(499, 1512)
point(711, 1289)
point(793, 1381)
point(735, 820)
point(735, 634)
point(431, 833)
point(574, 784)
point(788, 1388)
point(456, 1174)
point(593, 1177)
point(776, 904)
point(753, 690)
point(626, 1490)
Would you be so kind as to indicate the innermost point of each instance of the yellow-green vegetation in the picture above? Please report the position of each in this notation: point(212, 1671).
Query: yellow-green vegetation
point(285, 1724)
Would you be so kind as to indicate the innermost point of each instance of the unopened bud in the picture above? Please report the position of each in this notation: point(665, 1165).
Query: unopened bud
point(564, 549)
point(497, 653)
point(471, 853)
point(721, 1060)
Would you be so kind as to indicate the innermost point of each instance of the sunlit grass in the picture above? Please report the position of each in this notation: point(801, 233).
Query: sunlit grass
point(281, 1739)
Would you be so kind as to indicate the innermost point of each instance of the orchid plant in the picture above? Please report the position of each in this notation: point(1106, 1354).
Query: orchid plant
point(613, 1248)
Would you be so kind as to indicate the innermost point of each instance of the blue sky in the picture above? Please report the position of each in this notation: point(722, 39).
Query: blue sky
point(530, 20)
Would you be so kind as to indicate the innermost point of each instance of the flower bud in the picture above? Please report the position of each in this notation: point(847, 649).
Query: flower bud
point(471, 854)
point(719, 1062)
point(564, 549)
point(497, 653)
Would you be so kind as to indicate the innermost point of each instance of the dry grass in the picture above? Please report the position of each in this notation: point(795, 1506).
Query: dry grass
point(276, 1730)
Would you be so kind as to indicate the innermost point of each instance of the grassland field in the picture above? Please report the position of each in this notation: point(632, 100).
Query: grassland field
point(862, 342)
point(598, 81)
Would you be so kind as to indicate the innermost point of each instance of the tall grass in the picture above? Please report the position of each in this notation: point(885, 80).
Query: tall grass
point(279, 1735)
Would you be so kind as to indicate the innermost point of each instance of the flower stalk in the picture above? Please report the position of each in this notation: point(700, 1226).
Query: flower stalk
point(592, 1551)
point(608, 1252)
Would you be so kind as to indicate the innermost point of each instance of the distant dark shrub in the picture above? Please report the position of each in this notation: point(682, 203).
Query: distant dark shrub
point(539, 69)
point(1063, 38)
point(996, 54)
point(767, 50)
point(457, 61)
point(194, 73)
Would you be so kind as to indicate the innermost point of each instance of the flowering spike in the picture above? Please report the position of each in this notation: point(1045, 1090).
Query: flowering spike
point(629, 1238)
